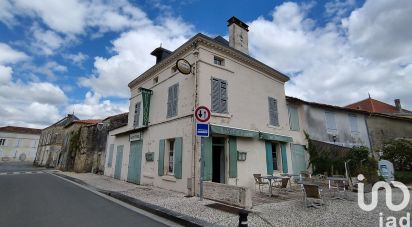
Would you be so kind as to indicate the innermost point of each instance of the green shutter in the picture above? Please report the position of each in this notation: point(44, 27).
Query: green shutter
point(109, 162)
point(269, 158)
point(293, 118)
point(160, 164)
point(207, 157)
point(178, 157)
point(232, 157)
point(284, 157)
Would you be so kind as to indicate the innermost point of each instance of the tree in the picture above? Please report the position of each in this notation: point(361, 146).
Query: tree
point(399, 152)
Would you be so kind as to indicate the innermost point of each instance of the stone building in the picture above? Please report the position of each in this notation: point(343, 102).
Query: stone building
point(51, 141)
point(249, 126)
point(18, 143)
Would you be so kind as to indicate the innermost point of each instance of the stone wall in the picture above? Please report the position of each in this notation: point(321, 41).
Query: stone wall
point(229, 194)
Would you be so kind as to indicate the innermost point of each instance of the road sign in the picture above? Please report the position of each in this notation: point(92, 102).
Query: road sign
point(202, 129)
point(202, 114)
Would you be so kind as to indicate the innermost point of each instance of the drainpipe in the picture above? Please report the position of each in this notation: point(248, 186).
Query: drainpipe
point(369, 136)
point(194, 138)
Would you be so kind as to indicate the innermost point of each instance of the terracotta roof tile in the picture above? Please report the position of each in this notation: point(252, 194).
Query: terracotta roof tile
point(374, 106)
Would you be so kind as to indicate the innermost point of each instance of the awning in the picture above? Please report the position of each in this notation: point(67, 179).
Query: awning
point(217, 129)
point(239, 132)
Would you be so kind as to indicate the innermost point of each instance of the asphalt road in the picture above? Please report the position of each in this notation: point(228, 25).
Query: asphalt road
point(42, 199)
point(7, 167)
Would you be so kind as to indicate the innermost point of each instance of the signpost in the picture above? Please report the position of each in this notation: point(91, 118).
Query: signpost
point(202, 115)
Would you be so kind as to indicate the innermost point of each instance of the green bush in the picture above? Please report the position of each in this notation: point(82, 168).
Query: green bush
point(399, 152)
point(404, 176)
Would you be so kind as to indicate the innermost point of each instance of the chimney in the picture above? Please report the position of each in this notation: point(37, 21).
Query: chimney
point(238, 37)
point(398, 105)
point(160, 53)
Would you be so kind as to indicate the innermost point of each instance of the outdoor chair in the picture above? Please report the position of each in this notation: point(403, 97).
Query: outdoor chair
point(304, 175)
point(259, 181)
point(337, 187)
point(282, 184)
point(313, 195)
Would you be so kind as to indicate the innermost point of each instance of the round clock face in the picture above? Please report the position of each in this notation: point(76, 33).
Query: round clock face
point(183, 66)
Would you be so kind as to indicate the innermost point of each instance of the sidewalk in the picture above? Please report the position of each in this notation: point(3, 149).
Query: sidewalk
point(190, 211)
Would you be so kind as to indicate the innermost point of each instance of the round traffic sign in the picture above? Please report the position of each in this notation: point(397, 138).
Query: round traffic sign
point(202, 113)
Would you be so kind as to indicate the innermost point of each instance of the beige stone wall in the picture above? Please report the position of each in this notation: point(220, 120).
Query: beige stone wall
point(18, 147)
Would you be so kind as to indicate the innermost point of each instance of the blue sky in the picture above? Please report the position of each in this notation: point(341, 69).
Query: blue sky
point(57, 57)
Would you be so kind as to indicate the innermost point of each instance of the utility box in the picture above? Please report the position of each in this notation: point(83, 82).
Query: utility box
point(386, 170)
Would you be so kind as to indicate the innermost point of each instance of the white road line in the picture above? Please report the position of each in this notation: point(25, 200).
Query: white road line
point(130, 207)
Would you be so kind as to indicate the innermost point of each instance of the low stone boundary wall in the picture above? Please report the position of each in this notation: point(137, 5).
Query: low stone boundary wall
point(229, 194)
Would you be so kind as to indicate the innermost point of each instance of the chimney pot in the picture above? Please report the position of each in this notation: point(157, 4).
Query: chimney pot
point(398, 105)
point(160, 53)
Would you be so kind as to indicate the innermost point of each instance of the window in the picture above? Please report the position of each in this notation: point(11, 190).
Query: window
point(136, 115)
point(2, 142)
point(219, 96)
point(330, 121)
point(353, 123)
point(293, 118)
point(171, 162)
point(274, 157)
point(273, 112)
point(218, 61)
point(155, 80)
point(172, 100)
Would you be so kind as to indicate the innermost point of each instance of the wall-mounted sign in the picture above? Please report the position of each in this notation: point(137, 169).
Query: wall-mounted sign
point(183, 66)
point(135, 136)
point(202, 129)
point(202, 114)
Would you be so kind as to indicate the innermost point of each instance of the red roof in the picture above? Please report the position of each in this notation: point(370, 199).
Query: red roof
point(14, 129)
point(374, 106)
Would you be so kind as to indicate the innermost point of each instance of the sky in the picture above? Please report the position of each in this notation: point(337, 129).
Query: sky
point(59, 57)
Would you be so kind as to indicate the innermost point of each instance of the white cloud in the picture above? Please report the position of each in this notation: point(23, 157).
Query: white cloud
point(5, 74)
point(95, 107)
point(45, 41)
point(133, 57)
point(337, 63)
point(76, 58)
point(9, 55)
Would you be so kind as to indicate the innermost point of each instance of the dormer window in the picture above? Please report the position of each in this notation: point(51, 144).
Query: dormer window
point(155, 80)
point(219, 61)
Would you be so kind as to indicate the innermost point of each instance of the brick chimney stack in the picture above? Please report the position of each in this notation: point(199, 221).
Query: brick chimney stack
point(238, 34)
point(398, 105)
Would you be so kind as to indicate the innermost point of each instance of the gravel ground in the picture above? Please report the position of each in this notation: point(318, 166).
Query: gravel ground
point(285, 213)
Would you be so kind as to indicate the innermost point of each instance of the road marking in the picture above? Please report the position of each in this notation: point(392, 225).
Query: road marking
point(21, 172)
point(123, 204)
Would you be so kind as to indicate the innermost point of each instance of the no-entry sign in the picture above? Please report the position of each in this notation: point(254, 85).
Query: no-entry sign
point(202, 114)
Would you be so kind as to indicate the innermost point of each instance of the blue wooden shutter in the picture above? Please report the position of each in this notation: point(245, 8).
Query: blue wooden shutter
point(207, 158)
point(175, 99)
point(160, 164)
point(136, 115)
point(269, 158)
point(110, 159)
point(178, 157)
point(298, 158)
point(284, 157)
point(215, 95)
point(232, 157)
point(170, 102)
point(353, 123)
point(293, 118)
point(223, 97)
point(273, 112)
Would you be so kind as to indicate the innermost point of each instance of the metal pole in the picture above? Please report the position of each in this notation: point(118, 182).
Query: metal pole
point(202, 166)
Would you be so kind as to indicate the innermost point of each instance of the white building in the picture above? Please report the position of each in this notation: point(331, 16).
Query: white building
point(249, 116)
point(18, 143)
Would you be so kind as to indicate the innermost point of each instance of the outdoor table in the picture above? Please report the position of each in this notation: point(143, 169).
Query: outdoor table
point(341, 179)
point(290, 179)
point(270, 178)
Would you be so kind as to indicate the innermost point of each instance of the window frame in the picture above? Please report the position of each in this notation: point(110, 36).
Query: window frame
point(218, 61)
point(172, 101)
point(333, 115)
point(292, 108)
point(171, 153)
point(353, 121)
point(273, 119)
point(136, 119)
point(221, 96)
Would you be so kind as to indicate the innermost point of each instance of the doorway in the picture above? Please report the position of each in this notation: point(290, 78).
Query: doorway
point(218, 160)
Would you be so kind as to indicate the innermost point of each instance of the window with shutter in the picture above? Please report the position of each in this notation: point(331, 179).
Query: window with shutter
point(136, 115)
point(293, 118)
point(110, 158)
point(219, 96)
point(353, 123)
point(273, 112)
point(172, 100)
point(330, 121)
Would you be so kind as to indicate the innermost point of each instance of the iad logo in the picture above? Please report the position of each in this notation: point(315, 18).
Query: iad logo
point(390, 221)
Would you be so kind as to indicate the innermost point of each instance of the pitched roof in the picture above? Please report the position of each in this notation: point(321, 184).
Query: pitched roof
point(14, 129)
point(374, 106)
point(86, 122)
point(322, 105)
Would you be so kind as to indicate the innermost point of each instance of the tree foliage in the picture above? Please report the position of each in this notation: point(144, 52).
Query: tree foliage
point(399, 152)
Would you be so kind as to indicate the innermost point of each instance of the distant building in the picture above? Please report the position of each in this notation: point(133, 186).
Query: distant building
point(51, 141)
point(375, 106)
point(18, 143)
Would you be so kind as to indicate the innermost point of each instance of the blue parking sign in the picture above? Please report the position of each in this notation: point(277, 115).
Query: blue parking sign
point(202, 129)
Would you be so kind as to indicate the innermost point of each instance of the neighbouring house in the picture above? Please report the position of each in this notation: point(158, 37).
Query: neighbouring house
point(249, 127)
point(51, 141)
point(385, 121)
point(18, 143)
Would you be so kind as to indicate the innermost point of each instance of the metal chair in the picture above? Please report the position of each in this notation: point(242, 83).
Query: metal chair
point(313, 196)
point(282, 184)
point(259, 181)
